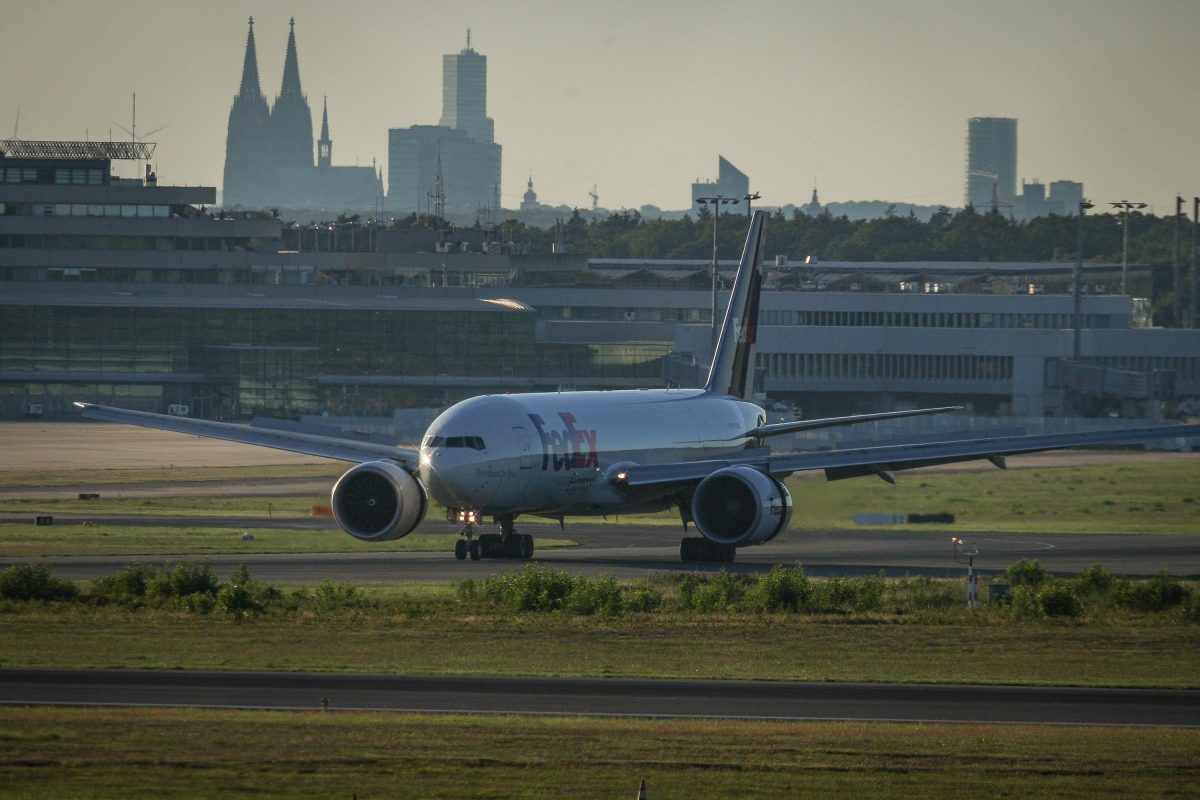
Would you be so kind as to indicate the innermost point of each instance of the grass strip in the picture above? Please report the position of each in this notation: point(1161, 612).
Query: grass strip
point(1149, 497)
point(1145, 497)
point(135, 753)
point(25, 540)
point(980, 648)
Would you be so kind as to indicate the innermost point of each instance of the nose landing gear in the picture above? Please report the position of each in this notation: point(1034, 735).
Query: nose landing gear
point(506, 544)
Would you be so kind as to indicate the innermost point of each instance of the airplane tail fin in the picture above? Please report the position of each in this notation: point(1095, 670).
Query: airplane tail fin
point(733, 357)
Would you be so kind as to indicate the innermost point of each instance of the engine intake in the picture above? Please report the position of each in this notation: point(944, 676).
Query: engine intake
point(739, 505)
point(378, 502)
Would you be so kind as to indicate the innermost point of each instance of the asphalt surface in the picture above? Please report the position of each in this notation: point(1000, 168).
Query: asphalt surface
point(628, 551)
point(603, 697)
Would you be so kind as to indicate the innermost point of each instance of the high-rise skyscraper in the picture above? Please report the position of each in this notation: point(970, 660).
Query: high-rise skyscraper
point(991, 161)
point(464, 94)
point(455, 165)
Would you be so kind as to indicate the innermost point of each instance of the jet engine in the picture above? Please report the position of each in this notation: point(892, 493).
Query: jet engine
point(378, 501)
point(739, 506)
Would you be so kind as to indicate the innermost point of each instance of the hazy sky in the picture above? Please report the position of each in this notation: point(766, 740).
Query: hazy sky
point(871, 98)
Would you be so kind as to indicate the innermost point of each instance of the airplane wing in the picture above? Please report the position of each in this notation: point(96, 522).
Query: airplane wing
point(309, 444)
point(886, 460)
point(778, 428)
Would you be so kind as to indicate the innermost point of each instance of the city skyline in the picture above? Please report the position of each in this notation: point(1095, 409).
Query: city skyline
point(871, 99)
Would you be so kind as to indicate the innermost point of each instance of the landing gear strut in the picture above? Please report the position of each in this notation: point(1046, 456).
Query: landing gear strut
point(696, 549)
point(506, 544)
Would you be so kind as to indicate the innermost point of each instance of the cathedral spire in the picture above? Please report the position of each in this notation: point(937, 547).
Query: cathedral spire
point(291, 119)
point(291, 66)
point(324, 144)
point(250, 88)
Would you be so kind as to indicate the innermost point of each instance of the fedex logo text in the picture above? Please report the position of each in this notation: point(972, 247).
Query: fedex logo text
point(568, 448)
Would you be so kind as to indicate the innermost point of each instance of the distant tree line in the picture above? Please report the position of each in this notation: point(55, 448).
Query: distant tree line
point(965, 235)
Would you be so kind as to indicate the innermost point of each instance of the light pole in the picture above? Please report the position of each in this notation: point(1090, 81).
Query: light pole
point(716, 202)
point(1084, 205)
point(1195, 264)
point(1125, 205)
point(750, 198)
point(1177, 303)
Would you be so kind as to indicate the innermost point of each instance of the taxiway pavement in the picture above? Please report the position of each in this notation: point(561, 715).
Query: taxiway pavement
point(603, 697)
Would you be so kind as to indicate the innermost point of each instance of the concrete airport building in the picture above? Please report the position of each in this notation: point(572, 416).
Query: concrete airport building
point(128, 292)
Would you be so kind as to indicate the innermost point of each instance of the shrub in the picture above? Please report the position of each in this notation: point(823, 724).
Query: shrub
point(330, 596)
point(531, 589)
point(34, 582)
point(127, 586)
point(1058, 599)
point(721, 592)
point(1095, 580)
point(1024, 603)
point(781, 589)
point(1025, 573)
point(642, 600)
point(1157, 594)
point(185, 579)
point(925, 593)
point(600, 595)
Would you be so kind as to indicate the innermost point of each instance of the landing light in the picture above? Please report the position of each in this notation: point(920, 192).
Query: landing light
point(469, 517)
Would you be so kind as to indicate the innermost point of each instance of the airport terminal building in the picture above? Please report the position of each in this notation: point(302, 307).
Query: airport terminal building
point(131, 293)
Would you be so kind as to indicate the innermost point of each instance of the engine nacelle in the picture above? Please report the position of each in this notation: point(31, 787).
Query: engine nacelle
point(378, 501)
point(739, 505)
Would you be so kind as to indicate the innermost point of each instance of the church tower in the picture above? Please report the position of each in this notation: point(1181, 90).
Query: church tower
point(324, 144)
point(291, 119)
point(247, 141)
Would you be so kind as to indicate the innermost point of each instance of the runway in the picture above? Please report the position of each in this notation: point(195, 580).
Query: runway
point(629, 552)
point(759, 700)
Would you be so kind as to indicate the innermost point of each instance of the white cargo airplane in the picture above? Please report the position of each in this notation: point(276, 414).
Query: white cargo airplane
point(618, 452)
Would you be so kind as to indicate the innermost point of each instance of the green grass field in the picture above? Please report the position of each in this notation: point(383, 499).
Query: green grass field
point(1137, 497)
point(136, 753)
point(1145, 497)
point(26, 540)
point(957, 648)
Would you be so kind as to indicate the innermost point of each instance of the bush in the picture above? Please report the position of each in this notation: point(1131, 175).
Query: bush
point(531, 589)
point(184, 580)
point(1095, 581)
point(642, 600)
point(781, 589)
point(34, 582)
point(863, 594)
point(1058, 599)
point(600, 595)
point(127, 586)
point(717, 594)
point(330, 596)
point(925, 593)
point(1025, 573)
point(1157, 594)
point(1024, 603)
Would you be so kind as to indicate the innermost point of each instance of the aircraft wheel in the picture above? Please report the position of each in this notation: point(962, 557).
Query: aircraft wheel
point(476, 550)
point(460, 549)
point(526, 546)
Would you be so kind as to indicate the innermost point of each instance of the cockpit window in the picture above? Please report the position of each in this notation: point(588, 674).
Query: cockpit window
point(472, 442)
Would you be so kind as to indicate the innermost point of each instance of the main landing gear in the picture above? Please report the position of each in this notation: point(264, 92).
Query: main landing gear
point(697, 549)
point(506, 544)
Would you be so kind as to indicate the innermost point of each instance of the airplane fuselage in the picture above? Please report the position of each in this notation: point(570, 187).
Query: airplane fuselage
point(551, 453)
